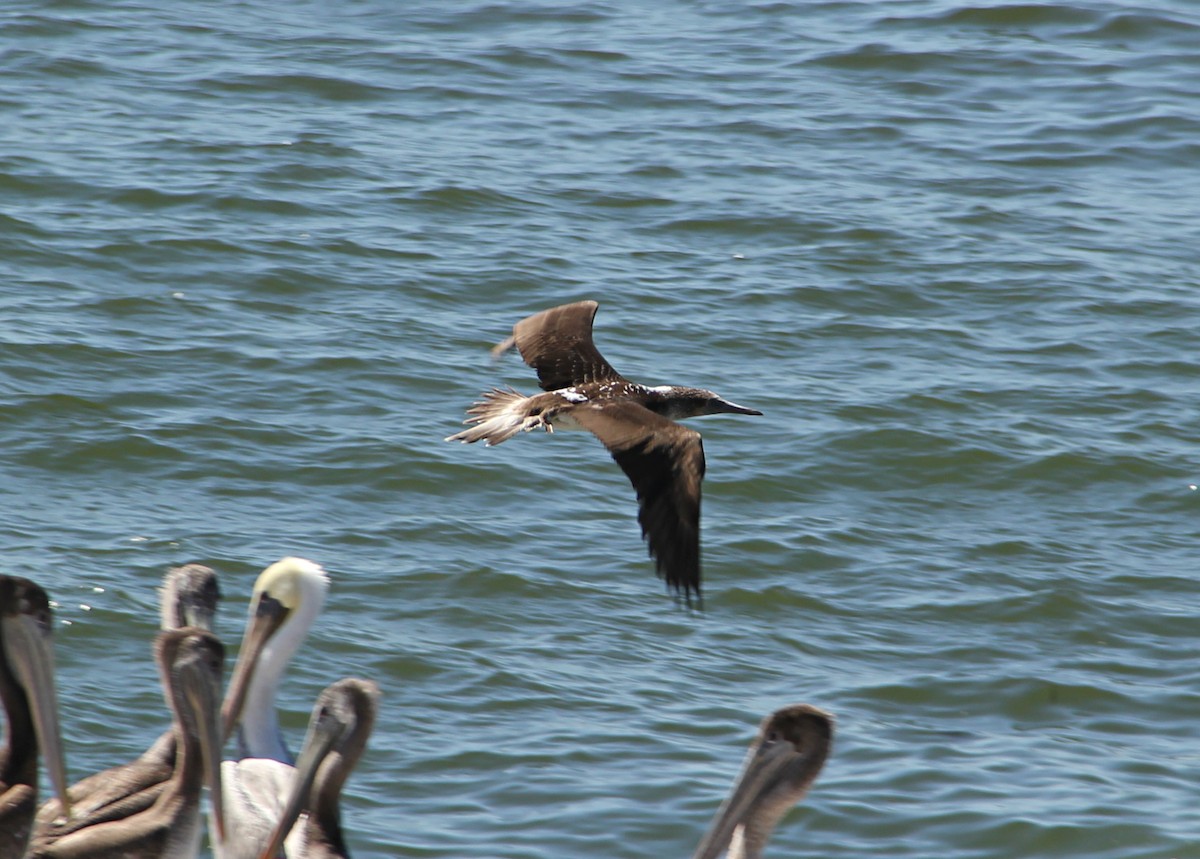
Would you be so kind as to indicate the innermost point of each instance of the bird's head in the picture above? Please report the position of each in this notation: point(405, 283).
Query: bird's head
point(677, 402)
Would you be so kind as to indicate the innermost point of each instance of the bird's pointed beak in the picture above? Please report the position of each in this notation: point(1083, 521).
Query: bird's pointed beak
point(29, 648)
point(203, 692)
point(324, 732)
point(720, 407)
point(761, 770)
point(266, 616)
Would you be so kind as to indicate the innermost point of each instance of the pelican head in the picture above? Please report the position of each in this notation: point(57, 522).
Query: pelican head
point(191, 661)
point(287, 598)
point(26, 650)
point(784, 760)
point(189, 597)
point(341, 722)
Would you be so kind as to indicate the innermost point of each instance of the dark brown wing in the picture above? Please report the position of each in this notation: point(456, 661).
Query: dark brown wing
point(665, 463)
point(113, 794)
point(558, 344)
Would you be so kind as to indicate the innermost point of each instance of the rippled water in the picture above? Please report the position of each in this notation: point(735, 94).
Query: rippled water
point(252, 258)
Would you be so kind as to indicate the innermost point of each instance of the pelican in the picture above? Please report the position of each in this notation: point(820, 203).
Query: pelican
point(783, 762)
point(188, 597)
point(288, 596)
point(31, 709)
point(337, 735)
point(190, 661)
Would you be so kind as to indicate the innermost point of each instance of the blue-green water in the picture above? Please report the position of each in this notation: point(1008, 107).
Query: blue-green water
point(251, 259)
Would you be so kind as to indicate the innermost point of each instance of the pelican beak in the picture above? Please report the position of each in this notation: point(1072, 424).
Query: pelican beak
point(324, 732)
point(763, 769)
point(267, 614)
point(203, 691)
point(721, 407)
point(28, 644)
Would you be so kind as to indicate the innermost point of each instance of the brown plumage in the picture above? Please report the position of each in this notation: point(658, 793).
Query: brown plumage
point(190, 662)
point(558, 344)
point(188, 597)
point(665, 463)
point(784, 760)
point(30, 706)
point(662, 459)
point(341, 723)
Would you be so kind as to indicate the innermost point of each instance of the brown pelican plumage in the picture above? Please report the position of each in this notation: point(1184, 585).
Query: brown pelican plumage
point(190, 661)
point(783, 762)
point(188, 597)
point(31, 709)
point(662, 459)
point(310, 823)
point(288, 596)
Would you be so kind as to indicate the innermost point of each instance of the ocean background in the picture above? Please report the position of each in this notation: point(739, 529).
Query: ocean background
point(252, 258)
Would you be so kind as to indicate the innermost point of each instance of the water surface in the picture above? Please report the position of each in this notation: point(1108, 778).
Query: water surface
point(252, 260)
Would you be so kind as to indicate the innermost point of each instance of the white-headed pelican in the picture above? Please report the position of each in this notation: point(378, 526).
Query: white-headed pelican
point(188, 597)
point(288, 596)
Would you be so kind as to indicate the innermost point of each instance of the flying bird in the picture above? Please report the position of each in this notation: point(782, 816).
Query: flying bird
point(637, 423)
point(784, 760)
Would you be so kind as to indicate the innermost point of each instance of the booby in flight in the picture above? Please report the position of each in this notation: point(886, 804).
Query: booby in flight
point(637, 423)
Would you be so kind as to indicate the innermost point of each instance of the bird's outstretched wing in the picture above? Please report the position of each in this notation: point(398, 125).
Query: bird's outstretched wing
point(558, 344)
point(665, 463)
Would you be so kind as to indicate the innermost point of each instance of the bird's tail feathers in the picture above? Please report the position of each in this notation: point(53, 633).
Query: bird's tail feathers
point(498, 417)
